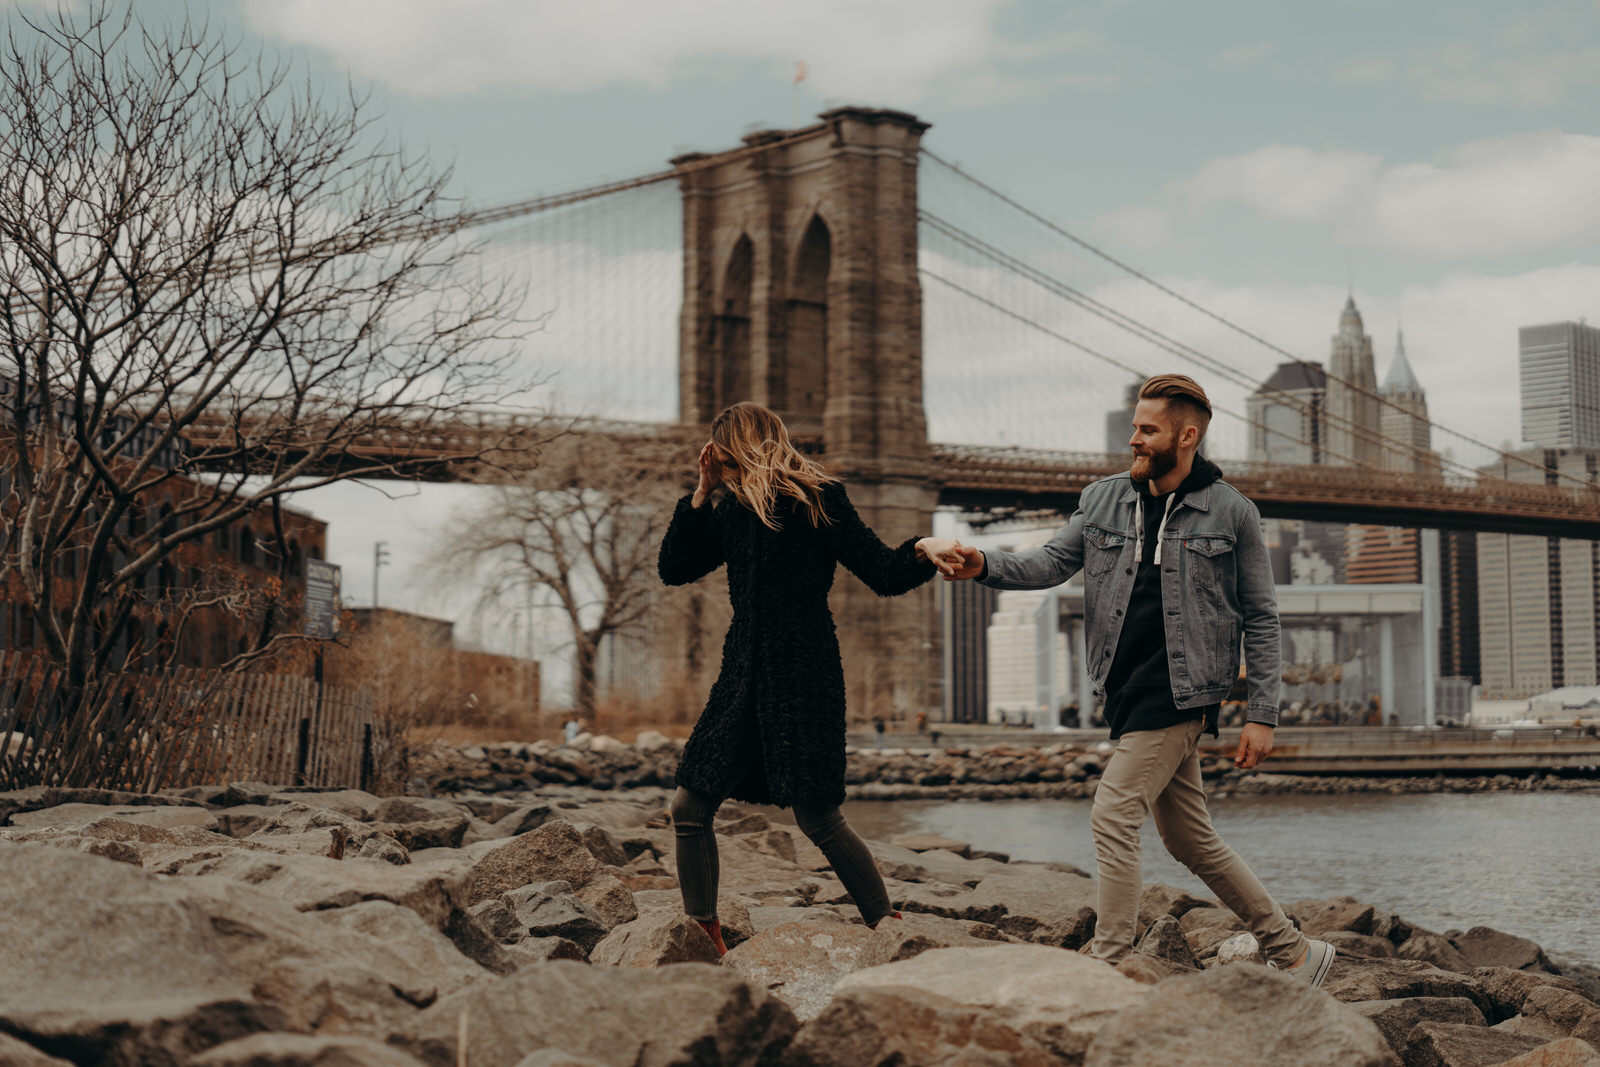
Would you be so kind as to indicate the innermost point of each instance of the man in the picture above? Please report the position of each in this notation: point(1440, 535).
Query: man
point(1175, 570)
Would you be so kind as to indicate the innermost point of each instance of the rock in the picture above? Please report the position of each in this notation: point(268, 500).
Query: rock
point(1396, 1018)
point(1392, 928)
point(419, 834)
point(913, 934)
point(691, 1013)
point(888, 1026)
point(1351, 980)
point(383, 847)
point(1158, 900)
point(416, 809)
point(544, 949)
point(742, 823)
point(601, 845)
point(554, 1057)
point(1057, 998)
point(175, 966)
point(1507, 990)
point(1147, 970)
point(1568, 1052)
point(1528, 1026)
point(312, 883)
point(1240, 948)
point(490, 809)
point(1164, 941)
point(929, 842)
point(1353, 944)
point(14, 1053)
point(764, 917)
point(303, 1050)
point(524, 818)
point(1433, 948)
point(1198, 1019)
point(1485, 947)
point(775, 843)
point(800, 962)
point(501, 922)
point(1456, 1045)
point(933, 865)
point(553, 852)
point(655, 939)
point(1036, 905)
point(356, 803)
point(1318, 917)
point(72, 816)
point(477, 943)
point(403, 932)
point(1572, 1012)
point(549, 909)
point(651, 740)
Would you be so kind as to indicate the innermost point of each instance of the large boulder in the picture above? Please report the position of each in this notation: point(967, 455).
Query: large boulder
point(895, 1026)
point(1568, 1052)
point(72, 816)
point(687, 1014)
point(14, 1053)
point(1429, 947)
point(554, 852)
point(1158, 900)
point(801, 962)
point(1507, 990)
point(303, 1050)
point(101, 962)
point(655, 939)
point(403, 932)
point(1486, 947)
point(1057, 998)
point(1458, 1045)
point(550, 909)
point(1351, 980)
point(356, 803)
point(1573, 1012)
point(1319, 917)
point(1037, 905)
point(1395, 1019)
point(1199, 1020)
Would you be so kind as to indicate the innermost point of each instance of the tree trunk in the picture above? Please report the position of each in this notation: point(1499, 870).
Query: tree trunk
point(583, 676)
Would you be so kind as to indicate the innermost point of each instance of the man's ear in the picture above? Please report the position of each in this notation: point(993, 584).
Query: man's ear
point(1189, 436)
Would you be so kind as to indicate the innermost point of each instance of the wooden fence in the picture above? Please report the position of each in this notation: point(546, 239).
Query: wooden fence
point(183, 727)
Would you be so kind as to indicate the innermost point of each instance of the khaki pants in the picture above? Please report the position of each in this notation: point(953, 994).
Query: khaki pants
point(1157, 772)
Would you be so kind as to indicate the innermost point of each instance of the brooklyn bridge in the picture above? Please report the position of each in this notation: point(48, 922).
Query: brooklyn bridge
point(935, 342)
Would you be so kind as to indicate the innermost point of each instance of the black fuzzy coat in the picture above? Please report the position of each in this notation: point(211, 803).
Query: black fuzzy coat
point(773, 730)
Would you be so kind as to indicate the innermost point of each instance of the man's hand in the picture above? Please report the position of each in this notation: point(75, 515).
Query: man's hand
point(1255, 741)
point(969, 564)
point(942, 552)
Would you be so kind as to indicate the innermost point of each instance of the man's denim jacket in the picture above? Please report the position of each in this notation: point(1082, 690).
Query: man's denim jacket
point(1214, 569)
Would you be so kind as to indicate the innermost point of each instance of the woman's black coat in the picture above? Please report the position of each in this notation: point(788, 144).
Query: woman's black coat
point(773, 730)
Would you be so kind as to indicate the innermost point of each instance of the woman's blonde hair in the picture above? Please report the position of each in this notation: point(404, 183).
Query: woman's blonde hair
point(760, 465)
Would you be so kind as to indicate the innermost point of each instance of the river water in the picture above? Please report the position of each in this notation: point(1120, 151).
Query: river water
point(1525, 863)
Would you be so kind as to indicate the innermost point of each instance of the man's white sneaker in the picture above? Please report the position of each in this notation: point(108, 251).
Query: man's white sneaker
point(1314, 968)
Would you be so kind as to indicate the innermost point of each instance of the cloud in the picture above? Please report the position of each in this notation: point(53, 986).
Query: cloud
point(889, 51)
point(1244, 56)
point(1494, 197)
point(1526, 73)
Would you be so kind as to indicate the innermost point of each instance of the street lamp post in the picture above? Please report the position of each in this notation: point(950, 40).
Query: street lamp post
point(380, 556)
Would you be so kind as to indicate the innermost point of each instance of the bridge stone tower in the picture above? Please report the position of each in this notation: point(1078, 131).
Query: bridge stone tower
point(800, 292)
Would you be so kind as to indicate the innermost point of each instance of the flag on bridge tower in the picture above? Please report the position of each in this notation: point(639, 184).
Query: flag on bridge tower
point(799, 71)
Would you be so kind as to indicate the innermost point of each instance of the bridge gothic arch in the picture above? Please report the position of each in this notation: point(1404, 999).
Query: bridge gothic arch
point(730, 341)
point(800, 374)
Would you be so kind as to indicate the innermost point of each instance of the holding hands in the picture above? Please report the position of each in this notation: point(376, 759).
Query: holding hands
point(955, 560)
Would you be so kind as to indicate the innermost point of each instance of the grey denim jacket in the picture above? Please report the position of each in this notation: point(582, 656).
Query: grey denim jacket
point(1214, 568)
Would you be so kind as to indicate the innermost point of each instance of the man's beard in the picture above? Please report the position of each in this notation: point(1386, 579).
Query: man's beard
point(1153, 466)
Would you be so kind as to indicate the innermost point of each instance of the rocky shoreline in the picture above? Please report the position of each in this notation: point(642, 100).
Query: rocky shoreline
point(990, 773)
point(257, 925)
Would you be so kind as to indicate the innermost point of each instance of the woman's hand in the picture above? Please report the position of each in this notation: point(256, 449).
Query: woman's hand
point(710, 474)
point(942, 552)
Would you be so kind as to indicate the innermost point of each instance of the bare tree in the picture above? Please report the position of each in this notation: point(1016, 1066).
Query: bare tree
point(219, 284)
point(585, 528)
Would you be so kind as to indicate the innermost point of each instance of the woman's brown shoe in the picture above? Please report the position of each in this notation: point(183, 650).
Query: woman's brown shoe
point(713, 930)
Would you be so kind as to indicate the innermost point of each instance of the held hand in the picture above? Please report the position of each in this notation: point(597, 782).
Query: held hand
point(970, 564)
point(1255, 741)
point(942, 552)
point(710, 475)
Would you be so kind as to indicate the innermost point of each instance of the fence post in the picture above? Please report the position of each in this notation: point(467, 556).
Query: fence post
point(302, 752)
point(366, 757)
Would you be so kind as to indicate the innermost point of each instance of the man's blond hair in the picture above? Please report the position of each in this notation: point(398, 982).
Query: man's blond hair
point(1185, 399)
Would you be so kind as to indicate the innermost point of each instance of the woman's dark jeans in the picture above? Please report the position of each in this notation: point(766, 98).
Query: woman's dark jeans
point(697, 855)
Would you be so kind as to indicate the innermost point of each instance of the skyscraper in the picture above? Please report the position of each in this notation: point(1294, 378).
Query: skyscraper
point(1408, 435)
point(1560, 363)
point(1288, 420)
point(1353, 420)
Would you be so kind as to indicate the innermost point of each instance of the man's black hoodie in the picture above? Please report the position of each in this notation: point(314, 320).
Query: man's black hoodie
point(1139, 685)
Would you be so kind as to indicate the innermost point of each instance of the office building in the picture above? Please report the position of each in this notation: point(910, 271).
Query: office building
point(1560, 369)
point(1352, 396)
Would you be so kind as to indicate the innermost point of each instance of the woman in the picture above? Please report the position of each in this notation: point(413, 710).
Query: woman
point(773, 730)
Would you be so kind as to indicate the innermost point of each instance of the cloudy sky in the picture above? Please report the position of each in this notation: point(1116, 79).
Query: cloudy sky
point(1438, 158)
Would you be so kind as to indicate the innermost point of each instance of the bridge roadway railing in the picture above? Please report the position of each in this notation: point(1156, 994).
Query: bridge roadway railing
point(974, 477)
point(987, 477)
